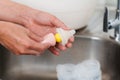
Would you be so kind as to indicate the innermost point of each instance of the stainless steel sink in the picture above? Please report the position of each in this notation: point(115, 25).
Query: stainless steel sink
point(44, 67)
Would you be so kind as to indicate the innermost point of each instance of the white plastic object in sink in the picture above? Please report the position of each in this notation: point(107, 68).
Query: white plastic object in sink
point(87, 70)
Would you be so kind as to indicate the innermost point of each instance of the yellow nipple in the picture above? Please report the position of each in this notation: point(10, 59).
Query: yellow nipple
point(58, 38)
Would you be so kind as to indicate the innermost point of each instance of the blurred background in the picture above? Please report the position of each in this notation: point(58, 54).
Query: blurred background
point(96, 23)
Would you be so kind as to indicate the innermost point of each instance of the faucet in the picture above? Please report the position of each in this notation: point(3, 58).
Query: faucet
point(113, 24)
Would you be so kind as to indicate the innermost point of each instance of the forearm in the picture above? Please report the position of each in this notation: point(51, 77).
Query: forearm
point(13, 12)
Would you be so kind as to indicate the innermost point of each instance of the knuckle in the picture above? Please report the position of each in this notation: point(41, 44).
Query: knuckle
point(43, 48)
point(27, 45)
point(17, 53)
point(22, 51)
point(54, 18)
point(40, 49)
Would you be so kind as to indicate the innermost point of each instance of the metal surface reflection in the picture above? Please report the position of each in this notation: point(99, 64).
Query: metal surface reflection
point(44, 67)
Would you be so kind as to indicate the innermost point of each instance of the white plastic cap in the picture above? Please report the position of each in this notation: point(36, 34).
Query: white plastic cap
point(65, 34)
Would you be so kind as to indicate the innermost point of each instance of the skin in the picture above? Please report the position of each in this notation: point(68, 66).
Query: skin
point(20, 40)
point(37, 22)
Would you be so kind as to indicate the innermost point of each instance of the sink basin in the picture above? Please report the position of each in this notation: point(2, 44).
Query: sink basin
point(43, 67)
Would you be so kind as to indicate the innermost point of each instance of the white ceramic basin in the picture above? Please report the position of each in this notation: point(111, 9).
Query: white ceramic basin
point(74, 13)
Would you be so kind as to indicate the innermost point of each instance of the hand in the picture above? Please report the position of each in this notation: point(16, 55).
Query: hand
point(21, 41)
point(35, 20)
point(24, 15)
point(45, 22)
point(39, 22)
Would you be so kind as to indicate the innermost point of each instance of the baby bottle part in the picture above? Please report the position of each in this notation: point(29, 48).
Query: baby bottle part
point(62, 36)
point(50, 39)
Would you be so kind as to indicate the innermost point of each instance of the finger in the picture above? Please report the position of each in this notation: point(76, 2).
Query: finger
point(40, 47)
point(56, 22)
point(42, 29)
point(54, 51)
point(69, 45)
point(34, 36)
point(49, 29)
point(30, 52)
point(60, 46)
point(71, 39)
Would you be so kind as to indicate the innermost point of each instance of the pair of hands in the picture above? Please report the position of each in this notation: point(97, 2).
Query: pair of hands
point(23, 29)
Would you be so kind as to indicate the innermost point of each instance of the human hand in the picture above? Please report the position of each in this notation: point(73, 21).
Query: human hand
point(40, 22)
point(49, 25)
point(35, 20)
point(21, 41)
